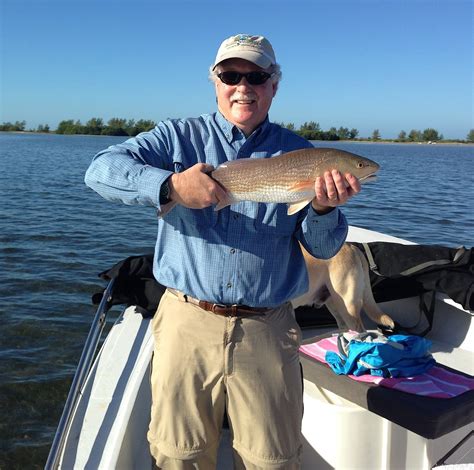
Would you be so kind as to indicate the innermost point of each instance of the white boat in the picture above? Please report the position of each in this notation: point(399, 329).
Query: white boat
point(342, 428)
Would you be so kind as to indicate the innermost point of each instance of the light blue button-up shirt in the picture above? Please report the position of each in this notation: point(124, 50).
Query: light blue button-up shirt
point(247, 253)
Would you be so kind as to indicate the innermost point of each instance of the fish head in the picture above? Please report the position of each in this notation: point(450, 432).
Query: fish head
point(362, 168)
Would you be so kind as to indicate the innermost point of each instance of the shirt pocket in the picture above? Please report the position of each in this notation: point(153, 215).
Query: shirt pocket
point(272, 219)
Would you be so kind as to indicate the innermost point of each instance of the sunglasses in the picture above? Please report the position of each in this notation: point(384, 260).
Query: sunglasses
point(253, 78)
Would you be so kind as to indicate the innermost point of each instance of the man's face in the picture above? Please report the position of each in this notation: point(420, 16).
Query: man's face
point(244, 105)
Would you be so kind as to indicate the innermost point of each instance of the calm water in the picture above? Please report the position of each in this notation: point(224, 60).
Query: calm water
point(56, 236)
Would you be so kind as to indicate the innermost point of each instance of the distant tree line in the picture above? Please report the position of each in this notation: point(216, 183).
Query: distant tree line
point(309, 130)
point(114, 126)
point(428, 135)
point(13, 127)
point(95, 126)
point(312, 131)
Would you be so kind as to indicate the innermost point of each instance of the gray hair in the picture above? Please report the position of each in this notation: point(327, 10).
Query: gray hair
point(274, 69)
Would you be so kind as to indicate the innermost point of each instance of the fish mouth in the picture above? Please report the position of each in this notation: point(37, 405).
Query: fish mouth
point(368, 178)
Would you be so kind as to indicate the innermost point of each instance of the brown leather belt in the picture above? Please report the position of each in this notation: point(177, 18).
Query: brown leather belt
point(220, 309)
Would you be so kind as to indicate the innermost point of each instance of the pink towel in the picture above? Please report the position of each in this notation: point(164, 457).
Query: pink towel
point(437, 382)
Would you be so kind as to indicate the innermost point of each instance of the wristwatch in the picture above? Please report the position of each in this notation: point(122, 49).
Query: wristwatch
point(165, 192)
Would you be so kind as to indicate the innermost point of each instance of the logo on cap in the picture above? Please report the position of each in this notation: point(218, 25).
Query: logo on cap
point(246, 40)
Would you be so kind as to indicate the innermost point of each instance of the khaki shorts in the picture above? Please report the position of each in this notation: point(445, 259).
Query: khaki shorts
point(205, 363)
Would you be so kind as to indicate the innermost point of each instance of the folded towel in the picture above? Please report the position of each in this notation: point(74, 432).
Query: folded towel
point(374, 353)
point(437, 382)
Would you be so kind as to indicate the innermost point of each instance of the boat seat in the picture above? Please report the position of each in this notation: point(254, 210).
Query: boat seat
point(426, 416)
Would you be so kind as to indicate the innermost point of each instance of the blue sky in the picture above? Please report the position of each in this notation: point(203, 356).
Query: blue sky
point(367, 64)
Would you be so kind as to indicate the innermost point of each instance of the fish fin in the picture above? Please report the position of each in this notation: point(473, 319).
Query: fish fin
point(302, 186)
point(294, 208)
point(166, 208)
point(224, 203)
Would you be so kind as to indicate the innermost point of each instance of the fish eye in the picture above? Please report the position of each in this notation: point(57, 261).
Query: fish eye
point(360, 165)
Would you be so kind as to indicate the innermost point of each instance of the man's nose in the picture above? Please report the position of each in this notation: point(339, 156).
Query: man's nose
point(244, 83)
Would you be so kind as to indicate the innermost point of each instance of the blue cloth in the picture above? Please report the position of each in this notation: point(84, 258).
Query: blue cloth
point(393, 356)
point(244, 254)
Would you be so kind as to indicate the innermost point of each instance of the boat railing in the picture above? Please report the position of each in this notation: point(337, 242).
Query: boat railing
point(78, 382)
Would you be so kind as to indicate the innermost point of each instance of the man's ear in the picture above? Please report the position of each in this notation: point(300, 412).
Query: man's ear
point(275, 88)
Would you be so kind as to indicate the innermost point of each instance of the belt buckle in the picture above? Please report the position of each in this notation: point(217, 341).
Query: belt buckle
point(227, 310)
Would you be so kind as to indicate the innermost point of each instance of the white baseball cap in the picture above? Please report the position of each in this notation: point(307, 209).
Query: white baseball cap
point(255, 49)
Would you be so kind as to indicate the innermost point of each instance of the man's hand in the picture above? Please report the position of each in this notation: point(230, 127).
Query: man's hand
point(194, 188)
point(334, 190)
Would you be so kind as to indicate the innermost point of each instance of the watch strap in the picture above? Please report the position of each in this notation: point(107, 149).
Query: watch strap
point(165, 191)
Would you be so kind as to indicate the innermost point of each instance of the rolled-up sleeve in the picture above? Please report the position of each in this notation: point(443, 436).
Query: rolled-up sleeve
point(323, 235)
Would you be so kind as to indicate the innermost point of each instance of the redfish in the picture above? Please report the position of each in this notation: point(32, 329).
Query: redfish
point(288, 178)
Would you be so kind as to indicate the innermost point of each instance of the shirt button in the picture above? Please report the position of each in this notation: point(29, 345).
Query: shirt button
point(232, 250)
point(236, 216)
point(229, 285)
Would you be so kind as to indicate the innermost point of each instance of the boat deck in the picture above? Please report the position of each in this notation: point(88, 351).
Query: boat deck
point(110, 423)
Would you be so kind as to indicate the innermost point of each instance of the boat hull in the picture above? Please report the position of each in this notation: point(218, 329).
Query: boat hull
point(111, 419)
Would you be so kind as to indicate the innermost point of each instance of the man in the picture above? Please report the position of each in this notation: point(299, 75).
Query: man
point(225, 335)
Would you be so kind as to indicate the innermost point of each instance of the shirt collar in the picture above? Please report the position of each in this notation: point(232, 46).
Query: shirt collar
point(231, 131)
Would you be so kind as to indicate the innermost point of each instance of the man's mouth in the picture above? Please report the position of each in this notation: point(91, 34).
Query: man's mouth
point(243, 100)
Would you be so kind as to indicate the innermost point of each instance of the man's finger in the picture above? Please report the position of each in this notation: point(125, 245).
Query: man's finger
point(340, 183)
point(330, 186)
point(353, 182)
